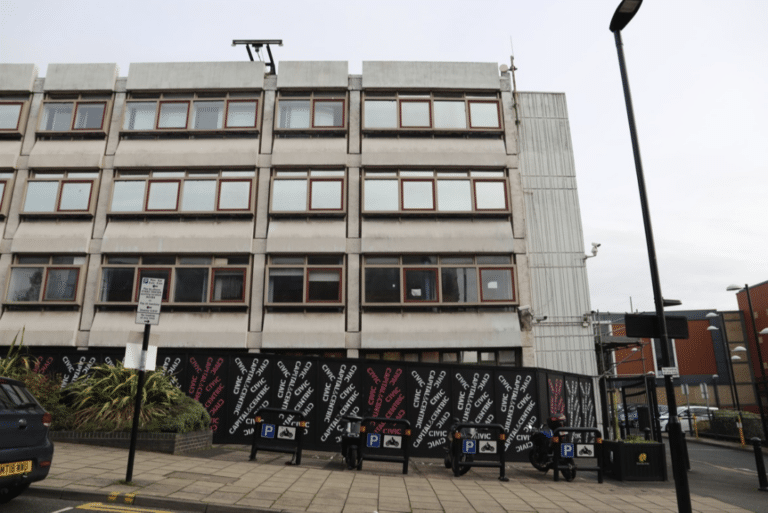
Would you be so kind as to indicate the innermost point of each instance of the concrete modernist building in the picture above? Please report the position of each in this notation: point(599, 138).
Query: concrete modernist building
point(421, 211)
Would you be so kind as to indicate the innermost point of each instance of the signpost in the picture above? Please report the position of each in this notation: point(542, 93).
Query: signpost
point(148, 313)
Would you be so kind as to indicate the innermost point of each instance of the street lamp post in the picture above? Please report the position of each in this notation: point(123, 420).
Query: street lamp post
point(623, 15)
point(761, 384)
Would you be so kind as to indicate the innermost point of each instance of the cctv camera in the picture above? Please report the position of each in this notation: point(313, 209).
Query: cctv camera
point(596, 244)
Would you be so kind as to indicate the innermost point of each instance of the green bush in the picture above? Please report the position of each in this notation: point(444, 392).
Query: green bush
point(185, 416)
point(637, 439)
point(724, 423)
point(17, 364)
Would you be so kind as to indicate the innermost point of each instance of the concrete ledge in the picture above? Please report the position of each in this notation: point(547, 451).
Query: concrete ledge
point(170, 443)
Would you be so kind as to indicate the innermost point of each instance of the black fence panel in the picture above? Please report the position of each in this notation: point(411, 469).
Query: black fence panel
point(518, 406)
point(339, 393)
point(294, 388)
point(250, 389)
point(473, 396)
point(429, 407)
point(384, 390)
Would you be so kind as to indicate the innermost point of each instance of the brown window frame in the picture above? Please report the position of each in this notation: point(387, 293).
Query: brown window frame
point(20, 121)
point(306, 268)
point(169, 299)
point(40, 176)
point(76, 100)
point(438, 268)
point(47, 267)
point(313, 98)
point(217, 175)
point(309, 178)
point(401, 97)
point(8, 179)
point(370, 175)
point(160, 98)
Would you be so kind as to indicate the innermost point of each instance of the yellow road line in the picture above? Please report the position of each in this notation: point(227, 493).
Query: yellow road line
point(98, 506)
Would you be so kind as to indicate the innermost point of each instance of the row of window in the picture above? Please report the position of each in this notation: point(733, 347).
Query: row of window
point(290, 280)
point(240, 112)
point(292, 191)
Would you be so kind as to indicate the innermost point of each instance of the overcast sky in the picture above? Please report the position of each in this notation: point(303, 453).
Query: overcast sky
point(697, 69)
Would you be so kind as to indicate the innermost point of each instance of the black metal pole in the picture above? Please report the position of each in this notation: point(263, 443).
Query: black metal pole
point(679, 472)
point(757, 381)
point(760, 464)
point(137, 406)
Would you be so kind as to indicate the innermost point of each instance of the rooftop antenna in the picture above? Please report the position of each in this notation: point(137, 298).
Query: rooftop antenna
point(257, 44)
point(511, 68)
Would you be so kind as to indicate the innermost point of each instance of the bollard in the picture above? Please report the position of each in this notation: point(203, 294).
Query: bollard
point(684, 445)
point(695, 426)
point(647, 433)
point(760, 463)
point(741, 430)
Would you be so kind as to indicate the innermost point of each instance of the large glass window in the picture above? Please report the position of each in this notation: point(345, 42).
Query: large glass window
point(182, 191)
point(305, 280)
point(188, 279)
point(10, 115)
point(304, 111)
point(316, 190)
point(201, 112)
point(386, 191)
point(447, 280)
point(37, 278)
point(60, 192)
point(436, 111)
point(79, 114)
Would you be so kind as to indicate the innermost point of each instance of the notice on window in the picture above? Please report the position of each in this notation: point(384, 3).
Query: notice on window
point(493, 285)
point(416, 292)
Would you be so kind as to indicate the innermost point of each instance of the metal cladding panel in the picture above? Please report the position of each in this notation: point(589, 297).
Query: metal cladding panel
point(555, 239)
point(17, 77)
point(430, 75)
point(195, 75)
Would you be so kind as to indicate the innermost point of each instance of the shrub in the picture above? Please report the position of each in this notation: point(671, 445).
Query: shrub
point(16, 365)
point(185, 415)
point(724, 423)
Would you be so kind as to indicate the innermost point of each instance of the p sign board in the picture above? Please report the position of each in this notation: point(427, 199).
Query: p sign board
point(373, 440)
point(585, 450)
point(267, 430)
point(469, 446)
point(566, 450)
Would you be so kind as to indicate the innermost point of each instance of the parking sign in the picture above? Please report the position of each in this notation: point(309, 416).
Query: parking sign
point(267, 430)
point(566, 450)
point(469, 446)
point(373, 440)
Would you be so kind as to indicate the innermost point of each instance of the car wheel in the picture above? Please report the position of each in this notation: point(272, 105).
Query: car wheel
point(10, 492)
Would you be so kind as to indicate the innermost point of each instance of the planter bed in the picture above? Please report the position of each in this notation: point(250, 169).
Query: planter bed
point(171, 443)
point(635, 461)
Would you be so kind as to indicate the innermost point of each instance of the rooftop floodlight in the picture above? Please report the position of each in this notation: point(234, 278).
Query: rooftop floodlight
point(671, 302)
point(734, 287)
point(624, 14)
point(257, 44)
point(764, 331)
point(735, 357)
point(739, 349)
point(713, 328)
point(711, 315)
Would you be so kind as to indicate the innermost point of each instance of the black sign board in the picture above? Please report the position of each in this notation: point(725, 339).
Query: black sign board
point(647, 326)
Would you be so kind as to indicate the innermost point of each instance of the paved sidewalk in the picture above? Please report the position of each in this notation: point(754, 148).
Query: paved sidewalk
point(223, 480)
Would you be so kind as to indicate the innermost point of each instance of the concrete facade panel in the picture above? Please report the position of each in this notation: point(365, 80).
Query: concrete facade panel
point(176, 329)
point(431, 75)
point(41, 328)
point(307, 330)
point(52, 237)
point(187, 153)
point(9, 154)
point(472, 153)
point(458, 236)
point(81, 77)
point(387, 330)
point(174, 237)
point(323, 151)
point(306, 236)
point(313, 74)
point(75, 154)
point(230, 76)
point(17, 77)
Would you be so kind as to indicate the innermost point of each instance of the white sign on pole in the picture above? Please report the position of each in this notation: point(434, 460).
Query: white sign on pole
point(685, 389)
point(150, 299)
point(704, 391)
point(670, 371)
point(134, 359)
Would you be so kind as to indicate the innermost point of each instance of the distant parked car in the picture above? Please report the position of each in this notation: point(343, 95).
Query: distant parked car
point(686, 417)
point(26, 449)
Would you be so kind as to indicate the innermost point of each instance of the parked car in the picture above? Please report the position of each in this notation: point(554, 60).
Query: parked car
point(26, 449)
point(686, 417)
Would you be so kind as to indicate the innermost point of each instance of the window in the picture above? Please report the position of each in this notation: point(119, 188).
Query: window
point(455, 192)
point(299, 280)
point(189, 280)
point(49, 279)
point(304, 111)
point(10, 116)
point(315, 191)
point(437, 111)
point(75, 113)
point(6, 187)
point(192, 192)
point(192, 112)
point(60, 192)
point(445, 280)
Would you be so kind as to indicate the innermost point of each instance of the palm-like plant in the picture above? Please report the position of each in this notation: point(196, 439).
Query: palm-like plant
point(15, 364)
point(104, 398)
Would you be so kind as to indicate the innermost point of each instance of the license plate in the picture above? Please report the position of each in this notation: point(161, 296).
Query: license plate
point(17, 467)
